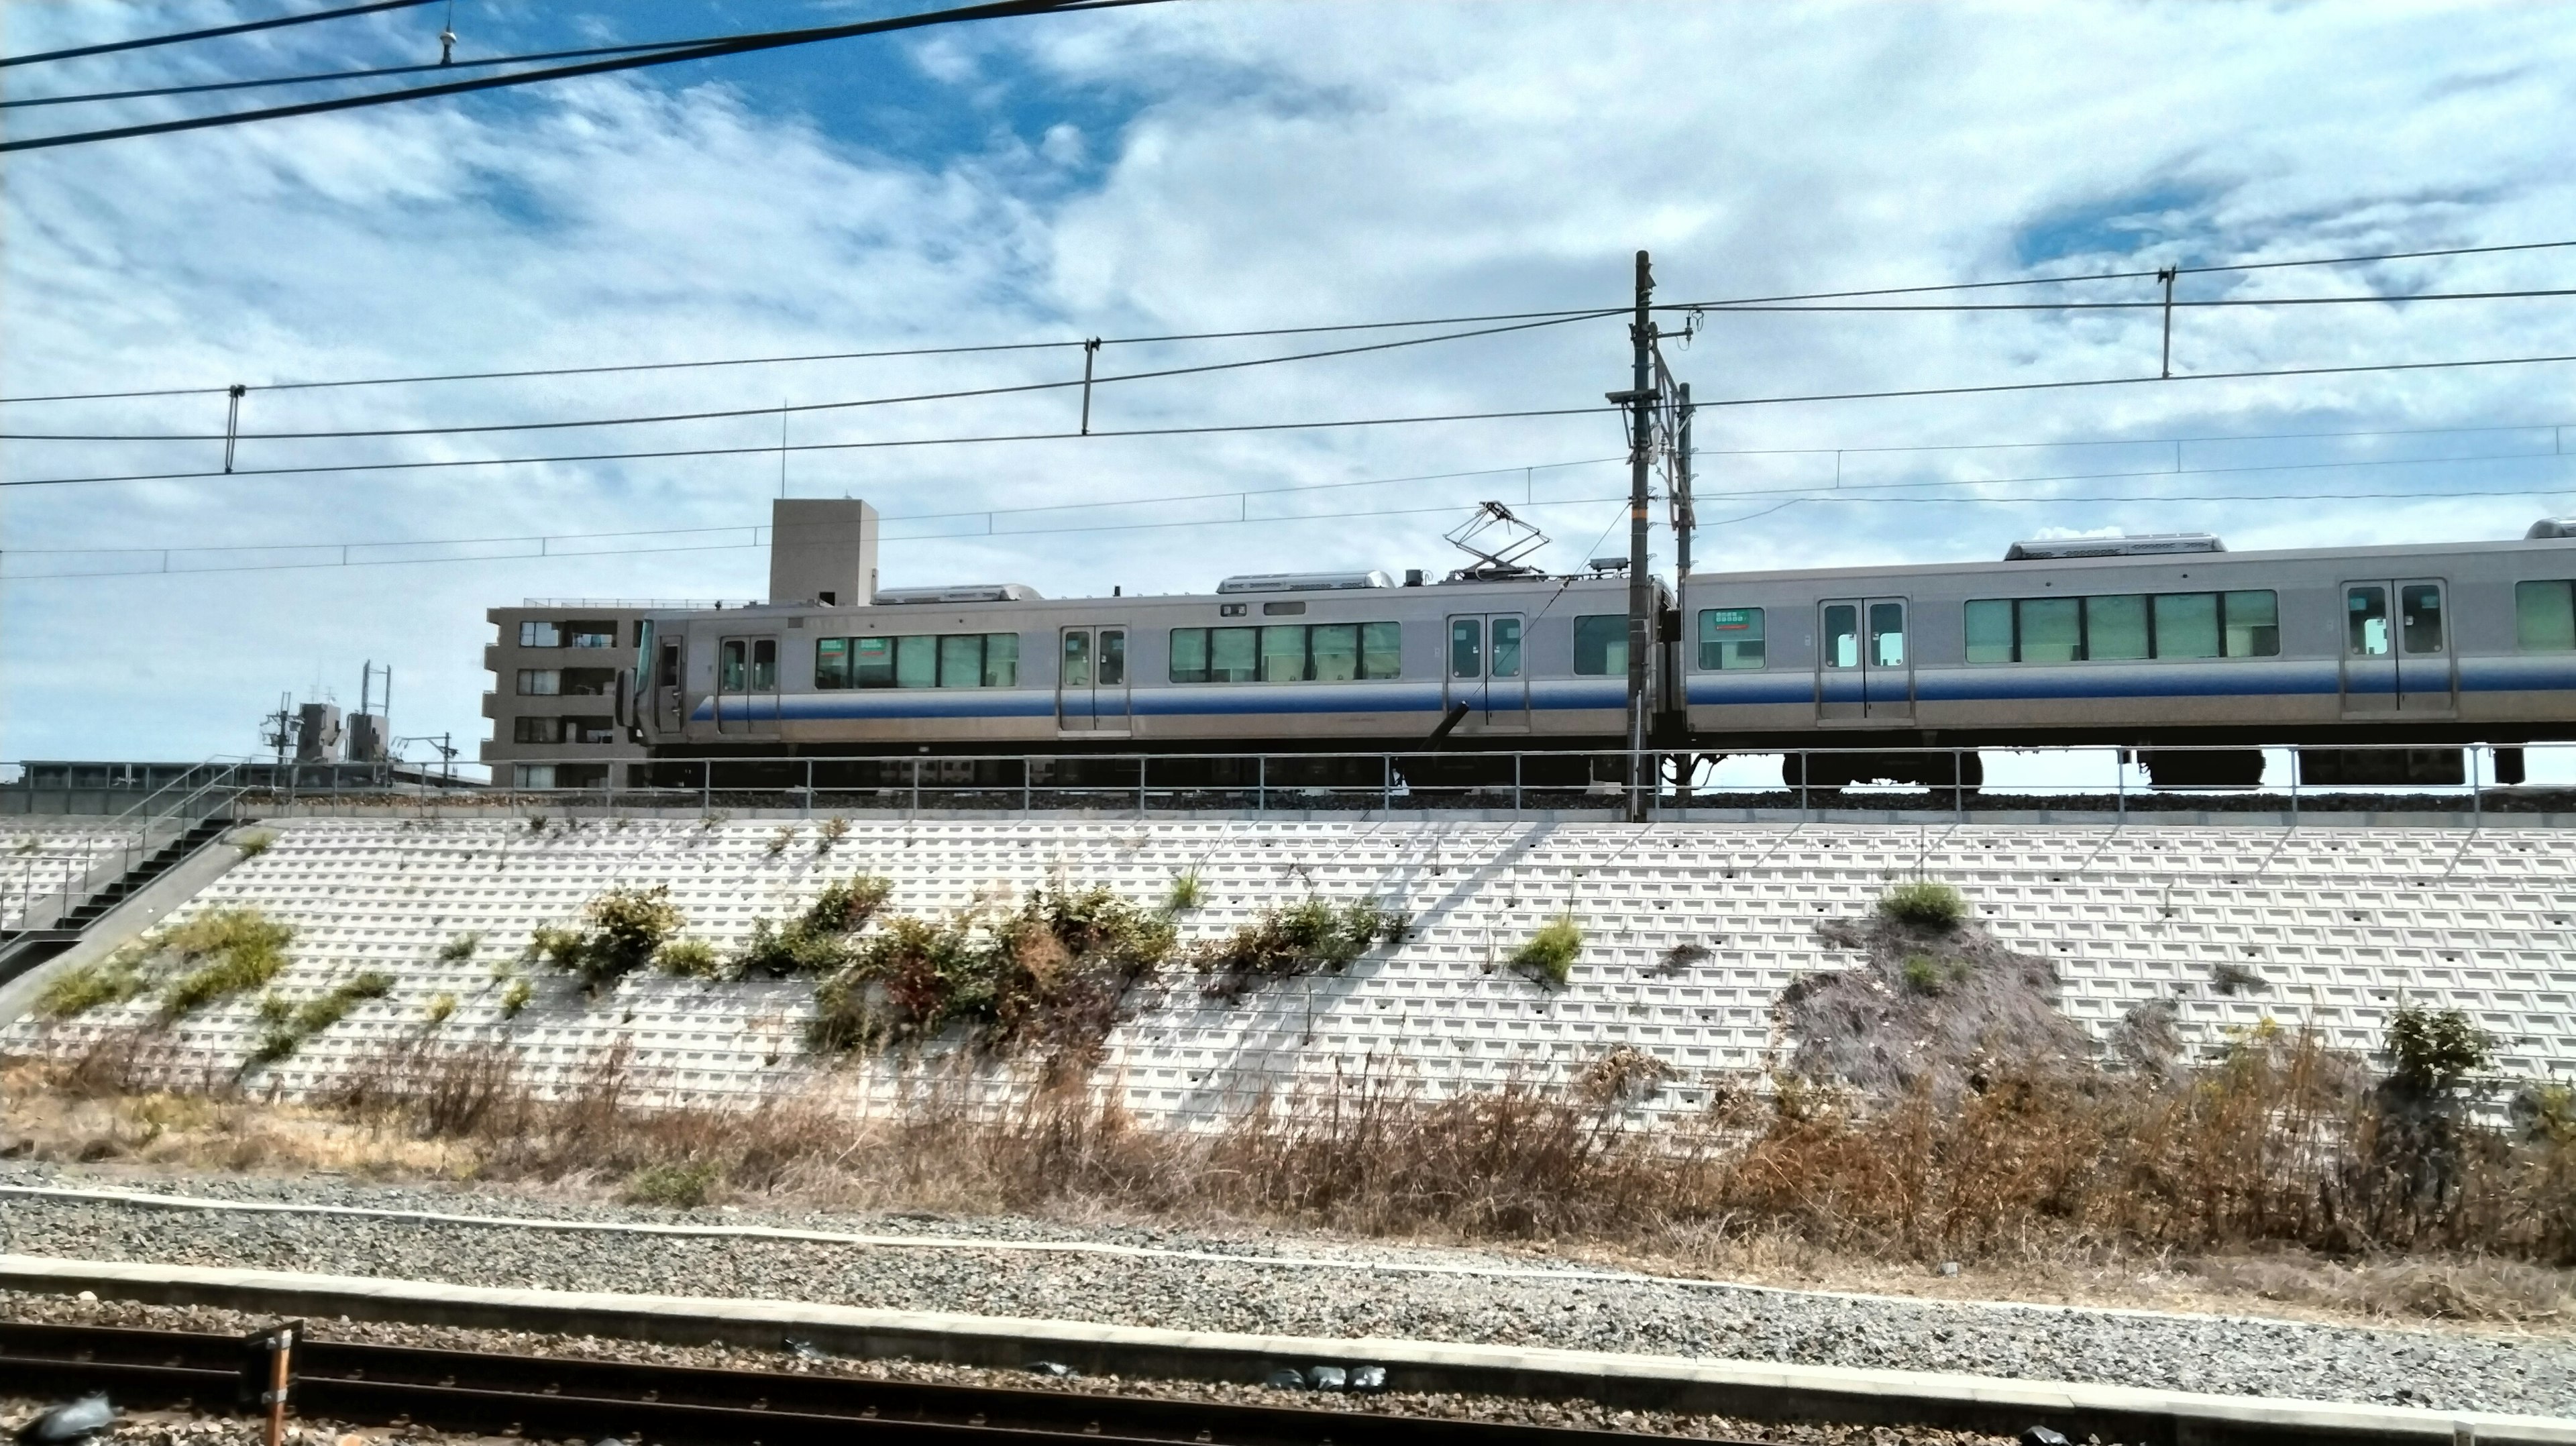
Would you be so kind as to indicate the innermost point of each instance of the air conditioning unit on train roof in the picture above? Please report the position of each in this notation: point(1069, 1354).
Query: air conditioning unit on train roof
point(970, 592)
point(1304, 581)
point(2552, 527)
point(2148, 544)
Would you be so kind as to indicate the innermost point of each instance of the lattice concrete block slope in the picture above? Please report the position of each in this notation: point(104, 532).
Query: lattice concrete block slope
point(2340, 927)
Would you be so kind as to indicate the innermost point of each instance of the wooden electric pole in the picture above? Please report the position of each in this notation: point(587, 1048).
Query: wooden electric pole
point(1640, 398)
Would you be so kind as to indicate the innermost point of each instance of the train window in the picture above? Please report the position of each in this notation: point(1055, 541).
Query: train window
point(2366, 621)
point(1601, 645)
point(1381, 650)
point(730, 666)
point(1283, 655)
point(1467, 647)
point(1842, 636)
point(1077, 659)
point(670, 675)
point(1730, 638)
point(961, 660)
point(1113, 657)
point(2115, 628)
point(1337, 652)
point(1189, 655)
point(1990, 631)
point(1286, 653)
point(1887, 635)
point(2187, 624)
point(831, 662)
point(2419, 608)
point(2052, 629)
point(1506, 638)
point(1001, 660)
point(540, 635)
point(539, 682)
point(764, 665)
point(1232, 654)
point(2253, 625)
point(1282, 609)
point(871, 662)
point(916, 662)
point(2544, 617)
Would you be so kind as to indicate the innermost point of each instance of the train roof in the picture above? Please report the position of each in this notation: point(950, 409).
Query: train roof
point(2160, 557)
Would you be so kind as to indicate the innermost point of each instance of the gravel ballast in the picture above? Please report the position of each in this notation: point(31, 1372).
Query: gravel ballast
point(2532, 1374)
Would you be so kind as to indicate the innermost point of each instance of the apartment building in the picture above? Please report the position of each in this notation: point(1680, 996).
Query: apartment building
point(553, 701)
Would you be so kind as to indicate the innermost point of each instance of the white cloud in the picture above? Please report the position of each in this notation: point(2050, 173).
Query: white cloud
point(1249, 165)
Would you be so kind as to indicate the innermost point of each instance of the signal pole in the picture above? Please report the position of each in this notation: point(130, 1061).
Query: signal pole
point(1640, 400)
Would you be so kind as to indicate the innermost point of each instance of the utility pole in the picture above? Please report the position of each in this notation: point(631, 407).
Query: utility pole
point(1640, 398)
point(1685, 519)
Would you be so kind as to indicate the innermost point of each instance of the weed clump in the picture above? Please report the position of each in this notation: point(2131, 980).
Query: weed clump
point(255, 843)
point(1547, 957)
point(232, 951)
point(2432, 1050)
point(1925, 974)
point(623, 929)
point(1186, 894)
point(290, 1025)
point(459, 948)
point(1051, 974)
point(1925, 904)
point(690, 959)
point(1310, 937)
point(112, 980)
point(820, 941)
point(676, 1185)
point(516, 997)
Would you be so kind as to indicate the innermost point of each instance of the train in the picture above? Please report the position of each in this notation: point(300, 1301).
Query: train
point(2167, 644)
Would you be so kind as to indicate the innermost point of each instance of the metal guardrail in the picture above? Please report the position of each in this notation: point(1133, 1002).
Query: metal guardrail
point(153, 822)
point(2094, 781)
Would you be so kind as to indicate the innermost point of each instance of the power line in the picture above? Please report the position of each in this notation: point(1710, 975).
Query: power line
point(450, 65)
point(1248, 427)
point(1741, 308)
point(1733, 303)
point(1856, 492)
point(773, 449)
point(725, 414)
point(734, 45)
point(752, 533)
point(148, 41)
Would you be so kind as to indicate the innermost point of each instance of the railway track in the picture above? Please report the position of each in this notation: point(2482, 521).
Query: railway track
point(549, 1398)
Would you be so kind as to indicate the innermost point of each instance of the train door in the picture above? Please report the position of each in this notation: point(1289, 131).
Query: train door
point(1864, 667)
point(668, 687)
point(746, 702)
point(2397, 655)
point(1488, 672)
point(1091, 681)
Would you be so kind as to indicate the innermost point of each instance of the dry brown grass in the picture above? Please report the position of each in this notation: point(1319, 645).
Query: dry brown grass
point(2282, 1173)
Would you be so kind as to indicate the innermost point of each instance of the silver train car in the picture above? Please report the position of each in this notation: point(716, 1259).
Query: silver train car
point(2145, 642)
point(1278, 663)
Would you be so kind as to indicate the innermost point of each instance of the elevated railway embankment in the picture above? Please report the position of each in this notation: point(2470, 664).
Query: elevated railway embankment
point(1689, 935)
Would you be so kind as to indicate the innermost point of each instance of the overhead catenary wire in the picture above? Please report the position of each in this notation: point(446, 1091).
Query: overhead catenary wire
point(1211, 429)
point(1861, 492)
point(730, 45)
point(1732, 303)
point(146, 42)
point(958, 394)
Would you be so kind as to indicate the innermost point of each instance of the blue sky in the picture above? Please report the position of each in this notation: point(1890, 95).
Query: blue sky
point(1210, 165)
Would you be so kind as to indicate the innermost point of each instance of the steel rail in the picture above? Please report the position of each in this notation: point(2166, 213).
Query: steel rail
point(545, 1397)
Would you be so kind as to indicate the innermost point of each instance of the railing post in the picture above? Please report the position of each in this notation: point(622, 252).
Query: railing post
point(1959, 784)
point(1028, 771)
point(2477, 796)
point(1140, 785)
point(2120, 780)
point(1517, 756)
point(1805, 770)
point(916, 783)
point(2294, 787)
point(808, 810)
point(1261, 783)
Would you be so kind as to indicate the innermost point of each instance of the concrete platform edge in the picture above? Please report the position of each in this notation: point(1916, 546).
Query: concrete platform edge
point(1751, 1389)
